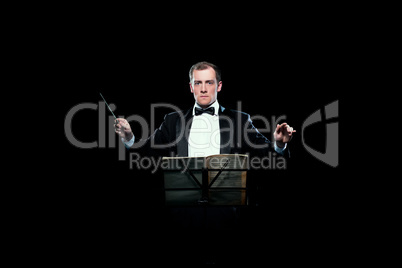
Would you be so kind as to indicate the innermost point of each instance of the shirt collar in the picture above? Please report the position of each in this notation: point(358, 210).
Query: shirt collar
point(215, 105)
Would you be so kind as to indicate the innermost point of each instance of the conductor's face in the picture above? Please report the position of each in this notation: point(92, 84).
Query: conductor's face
point(205, 87)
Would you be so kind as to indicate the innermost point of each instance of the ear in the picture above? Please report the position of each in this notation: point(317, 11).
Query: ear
point(191, 88)
point(219, 86)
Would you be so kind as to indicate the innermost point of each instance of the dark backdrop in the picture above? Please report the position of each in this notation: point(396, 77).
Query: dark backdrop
point(101, 193)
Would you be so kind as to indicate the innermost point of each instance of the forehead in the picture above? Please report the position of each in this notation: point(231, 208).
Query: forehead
point(207, 74)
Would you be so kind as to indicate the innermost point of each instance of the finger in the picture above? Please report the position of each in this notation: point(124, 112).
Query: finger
point(124, 127)
point(123, 123)
point(279, 127)
point(291, 132)
point(286, 131)
point(120, 121)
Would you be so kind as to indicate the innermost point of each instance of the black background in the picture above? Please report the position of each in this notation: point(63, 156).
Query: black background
point(102, 198)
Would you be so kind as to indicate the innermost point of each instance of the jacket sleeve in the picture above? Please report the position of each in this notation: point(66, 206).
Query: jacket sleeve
point(161, 142)
point(256, 143)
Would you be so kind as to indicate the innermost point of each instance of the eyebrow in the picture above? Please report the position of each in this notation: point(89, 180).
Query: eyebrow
point(199, 81)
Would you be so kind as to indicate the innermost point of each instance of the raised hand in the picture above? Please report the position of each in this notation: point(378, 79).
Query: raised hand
point(283, 134)
point(123, 129)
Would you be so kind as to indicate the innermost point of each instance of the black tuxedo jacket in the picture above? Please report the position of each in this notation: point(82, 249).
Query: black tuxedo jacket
point(238, 135)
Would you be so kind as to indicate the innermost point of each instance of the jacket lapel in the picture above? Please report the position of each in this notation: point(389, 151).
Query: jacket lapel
point(182, 133)
point(225, 130)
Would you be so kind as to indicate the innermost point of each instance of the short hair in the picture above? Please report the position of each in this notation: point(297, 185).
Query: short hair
point(203, 65)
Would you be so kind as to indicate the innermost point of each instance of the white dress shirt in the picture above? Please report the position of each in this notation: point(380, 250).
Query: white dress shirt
point(204, 138)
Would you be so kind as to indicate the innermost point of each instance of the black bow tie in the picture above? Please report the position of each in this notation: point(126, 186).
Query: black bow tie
point(210, 110)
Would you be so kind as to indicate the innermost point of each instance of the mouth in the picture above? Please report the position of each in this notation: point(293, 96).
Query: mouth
point(204, 96)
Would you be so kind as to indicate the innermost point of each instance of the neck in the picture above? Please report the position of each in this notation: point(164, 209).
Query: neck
point(206, 106)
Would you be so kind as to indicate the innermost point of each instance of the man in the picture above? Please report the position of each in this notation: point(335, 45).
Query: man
point(207, 128)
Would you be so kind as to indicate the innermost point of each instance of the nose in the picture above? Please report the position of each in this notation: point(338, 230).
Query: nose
point(204, 88)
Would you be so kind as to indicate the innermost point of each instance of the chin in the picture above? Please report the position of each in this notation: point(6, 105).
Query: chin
point(204, 102)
